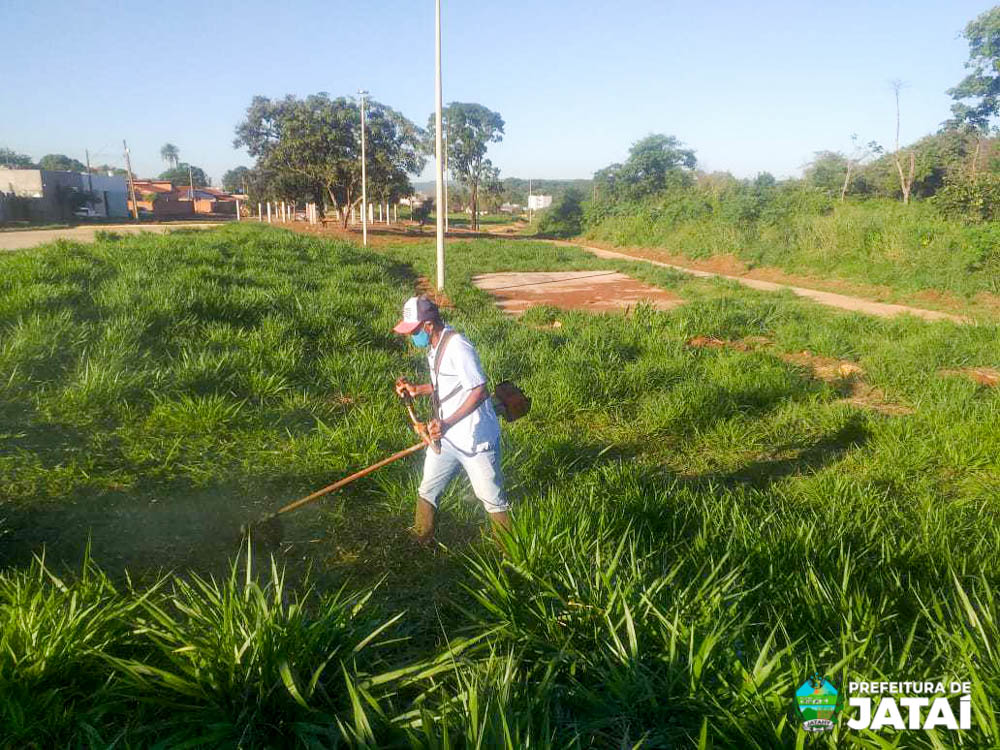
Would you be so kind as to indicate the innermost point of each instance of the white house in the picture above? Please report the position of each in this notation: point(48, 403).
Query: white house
point(538, 202)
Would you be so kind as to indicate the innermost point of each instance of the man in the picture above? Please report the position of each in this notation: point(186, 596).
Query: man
point(464, 420)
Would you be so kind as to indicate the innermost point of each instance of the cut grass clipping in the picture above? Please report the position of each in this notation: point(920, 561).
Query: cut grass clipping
point(697, 529)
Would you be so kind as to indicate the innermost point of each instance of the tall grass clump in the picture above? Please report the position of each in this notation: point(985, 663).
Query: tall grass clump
point(906, 248)
point(55, 635)
point(248, 663)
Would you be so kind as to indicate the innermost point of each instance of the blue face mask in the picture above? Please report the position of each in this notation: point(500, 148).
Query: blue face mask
point(421, 339)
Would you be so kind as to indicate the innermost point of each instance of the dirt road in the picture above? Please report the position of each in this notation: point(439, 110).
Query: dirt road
point(831, 299)
point(30, 237)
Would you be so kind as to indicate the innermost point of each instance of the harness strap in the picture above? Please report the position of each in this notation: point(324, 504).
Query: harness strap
point(439, 355)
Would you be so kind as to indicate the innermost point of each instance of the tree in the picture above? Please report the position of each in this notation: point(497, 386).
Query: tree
point(655, 163)
point(170, 154)
point(470, 129)
point(236, 180)
point(61, 163)
point(832, 171)
point(13, 160)
point(826, 170)
point(905, 181)
point(860, 154)
point(312, 147)
point(981, 87)
point(564, 218)
point(180, 176)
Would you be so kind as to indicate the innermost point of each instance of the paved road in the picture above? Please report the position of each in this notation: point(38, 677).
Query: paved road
point(842, 301)
point(31, 237)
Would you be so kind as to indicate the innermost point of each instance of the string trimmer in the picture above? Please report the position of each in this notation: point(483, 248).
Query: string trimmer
point(268, 528)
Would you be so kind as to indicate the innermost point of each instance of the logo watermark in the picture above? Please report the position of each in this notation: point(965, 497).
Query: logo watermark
point(818, 702)
point(897, 704)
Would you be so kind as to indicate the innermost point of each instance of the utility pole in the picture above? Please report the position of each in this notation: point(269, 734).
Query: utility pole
point(446, 182)
point(90, 176)
point(131, 181)
point(364, 174)
point(90, 182)
point(529, 200)
point(191, 180)
point(438, 147)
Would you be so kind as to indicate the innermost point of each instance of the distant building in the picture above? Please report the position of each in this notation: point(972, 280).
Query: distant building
point(212, 201)
point(538, 202)
point(49, 195)
point(163, 199)
point(159, 198)
point(110, 193)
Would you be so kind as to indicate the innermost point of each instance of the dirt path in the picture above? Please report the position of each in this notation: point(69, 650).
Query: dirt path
point(31, 237)
point(832, 299)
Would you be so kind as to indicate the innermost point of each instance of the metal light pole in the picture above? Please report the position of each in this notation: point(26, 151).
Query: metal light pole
point(364, 174)
point(438, 149)
point(446, 182)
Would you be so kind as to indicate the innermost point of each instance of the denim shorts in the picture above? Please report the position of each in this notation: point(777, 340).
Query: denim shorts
point(482, 468)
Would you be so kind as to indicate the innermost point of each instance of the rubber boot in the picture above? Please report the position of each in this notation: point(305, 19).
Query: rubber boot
point(501, 523)
point(423, 521)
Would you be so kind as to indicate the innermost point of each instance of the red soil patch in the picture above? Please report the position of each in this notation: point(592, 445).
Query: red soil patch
point(986, 376)
point(844, 375)
point(594, 291)
point(425, 286)
point(747, 344)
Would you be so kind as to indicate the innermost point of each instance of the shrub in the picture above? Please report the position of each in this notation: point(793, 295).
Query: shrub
point(564, 218)
point(971, 200)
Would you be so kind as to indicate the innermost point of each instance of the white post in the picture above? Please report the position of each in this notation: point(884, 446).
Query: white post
point(387, 212)
point(395, 213)
point(260, 212)
point(446, 226)
point(371, 212)
point(364, 176)
point(269, 212)
point(439, 164)
point(237, 209)
point(380, 212)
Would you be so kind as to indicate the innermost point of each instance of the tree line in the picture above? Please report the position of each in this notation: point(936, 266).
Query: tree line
point(958, 167)
point(309, 149)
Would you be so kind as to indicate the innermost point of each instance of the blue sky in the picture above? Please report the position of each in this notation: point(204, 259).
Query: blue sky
point(751, 86)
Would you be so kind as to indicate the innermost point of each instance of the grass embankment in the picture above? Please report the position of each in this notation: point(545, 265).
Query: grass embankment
point(697, 529)
point(906, 248)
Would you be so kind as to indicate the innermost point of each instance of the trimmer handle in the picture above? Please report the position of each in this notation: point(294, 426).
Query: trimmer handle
point(419, 427)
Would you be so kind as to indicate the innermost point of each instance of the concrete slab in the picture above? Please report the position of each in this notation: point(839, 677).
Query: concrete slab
point(595, 291)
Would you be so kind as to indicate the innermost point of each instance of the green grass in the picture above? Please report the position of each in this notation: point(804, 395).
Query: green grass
point(907, 248)
point(461, 219)
point(697, 530)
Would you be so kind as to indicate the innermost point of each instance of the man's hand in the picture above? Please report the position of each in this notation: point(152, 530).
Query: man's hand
point(405, 387)
point(436, 428)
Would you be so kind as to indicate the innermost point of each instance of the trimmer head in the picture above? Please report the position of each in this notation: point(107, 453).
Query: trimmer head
point(267, 531)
